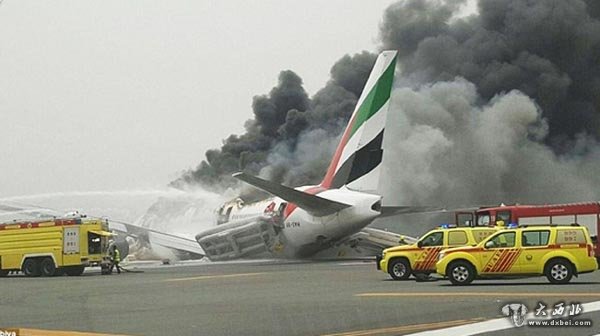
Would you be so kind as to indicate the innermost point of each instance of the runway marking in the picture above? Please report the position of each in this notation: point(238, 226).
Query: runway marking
point(412, 327)
point(39, 332)
point(463, 294)
point(220, 276)
point(491, 325)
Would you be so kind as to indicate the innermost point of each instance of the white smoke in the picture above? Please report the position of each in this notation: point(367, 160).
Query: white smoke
point(186, 213)
point(445, 146)
point(170, 210)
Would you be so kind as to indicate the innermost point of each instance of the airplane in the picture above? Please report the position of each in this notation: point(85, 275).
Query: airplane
point(305, 221)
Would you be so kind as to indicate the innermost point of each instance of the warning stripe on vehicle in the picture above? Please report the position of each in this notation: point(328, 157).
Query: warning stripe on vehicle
point(428, 258)
point(502, 261)
point(512, 257)
point(30, 225)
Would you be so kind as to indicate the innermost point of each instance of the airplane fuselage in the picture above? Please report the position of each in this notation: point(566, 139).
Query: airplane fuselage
point(300, 233)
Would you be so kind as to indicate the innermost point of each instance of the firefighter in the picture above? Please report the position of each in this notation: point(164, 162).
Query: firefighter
point(116, 259)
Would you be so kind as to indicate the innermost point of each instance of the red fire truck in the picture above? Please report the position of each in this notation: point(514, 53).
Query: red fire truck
point(584, 214)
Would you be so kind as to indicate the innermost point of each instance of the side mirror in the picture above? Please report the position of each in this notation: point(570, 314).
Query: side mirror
point(420, 244)
point(490, 244)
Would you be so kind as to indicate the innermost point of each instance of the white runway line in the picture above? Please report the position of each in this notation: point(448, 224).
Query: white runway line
point(492, 325)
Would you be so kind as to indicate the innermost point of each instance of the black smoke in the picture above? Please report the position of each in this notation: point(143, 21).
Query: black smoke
point(543, 56)
point(282, 119)
point(547, 49)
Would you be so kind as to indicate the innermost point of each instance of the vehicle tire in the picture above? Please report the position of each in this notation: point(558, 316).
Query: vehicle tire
point(399, 269)
point(31, 268)
point(3, 273)
point(559, 271)
point(460, 273)
point(74, 270)
point(47, 267)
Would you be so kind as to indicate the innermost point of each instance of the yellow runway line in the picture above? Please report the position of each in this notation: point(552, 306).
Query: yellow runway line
point(406, 328)
point(220, 276)
point(477, 294)
point(39, 332)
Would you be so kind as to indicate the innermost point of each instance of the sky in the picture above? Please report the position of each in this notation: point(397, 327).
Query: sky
point(123, 95)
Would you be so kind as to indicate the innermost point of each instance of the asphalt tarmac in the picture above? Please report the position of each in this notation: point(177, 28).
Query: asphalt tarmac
point(276, 298)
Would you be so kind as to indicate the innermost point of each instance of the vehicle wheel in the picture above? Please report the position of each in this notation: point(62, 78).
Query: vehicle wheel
point(460, 273)
point(47, 267)
point(399, 269)
point(559, 271)
point(74, 270)
point(31, 268)
point(3, 273)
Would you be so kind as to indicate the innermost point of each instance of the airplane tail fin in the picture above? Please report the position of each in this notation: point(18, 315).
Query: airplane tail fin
point(357, 159)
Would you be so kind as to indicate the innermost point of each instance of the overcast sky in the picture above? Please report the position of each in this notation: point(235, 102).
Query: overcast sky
point(117, 95)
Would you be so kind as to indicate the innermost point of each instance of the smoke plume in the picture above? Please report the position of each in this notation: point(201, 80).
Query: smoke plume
point(449, 148)
point(291, 137)
point(502, 105)
point(547, 49)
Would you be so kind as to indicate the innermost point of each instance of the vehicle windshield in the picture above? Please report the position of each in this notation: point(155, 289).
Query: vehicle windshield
point(483, 219)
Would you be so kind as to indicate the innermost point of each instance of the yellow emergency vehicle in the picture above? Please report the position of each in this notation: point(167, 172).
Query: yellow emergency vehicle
point(53, 246)
point(402, 261)
point(558, 252)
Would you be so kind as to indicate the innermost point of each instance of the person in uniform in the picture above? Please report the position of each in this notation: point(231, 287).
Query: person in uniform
point(116, 259)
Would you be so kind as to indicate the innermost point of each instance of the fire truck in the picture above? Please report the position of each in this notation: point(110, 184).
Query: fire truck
point(584, 214)
point(55, 246)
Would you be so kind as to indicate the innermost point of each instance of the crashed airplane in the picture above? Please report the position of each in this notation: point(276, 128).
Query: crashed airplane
point(306, 221)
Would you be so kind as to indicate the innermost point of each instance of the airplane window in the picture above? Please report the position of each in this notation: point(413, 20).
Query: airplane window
point(281, 209)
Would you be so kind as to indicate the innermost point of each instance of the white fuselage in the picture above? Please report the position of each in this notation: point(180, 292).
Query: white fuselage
point(300, 233)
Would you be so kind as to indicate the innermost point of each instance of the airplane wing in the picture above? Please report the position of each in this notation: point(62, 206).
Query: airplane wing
point(7, 210)
point(171, 241)
point(316, 205)
point(366, 243)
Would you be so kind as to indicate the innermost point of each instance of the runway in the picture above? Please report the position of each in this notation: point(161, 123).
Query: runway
point(274, 298)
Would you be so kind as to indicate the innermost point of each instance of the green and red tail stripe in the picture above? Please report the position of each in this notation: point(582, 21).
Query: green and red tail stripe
point(360, 151)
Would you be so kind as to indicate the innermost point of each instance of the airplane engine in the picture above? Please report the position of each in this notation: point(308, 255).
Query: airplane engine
point(122, 245)
point(253, 237)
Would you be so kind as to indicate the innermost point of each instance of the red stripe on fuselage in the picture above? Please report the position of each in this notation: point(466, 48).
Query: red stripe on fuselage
point(338, 154)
